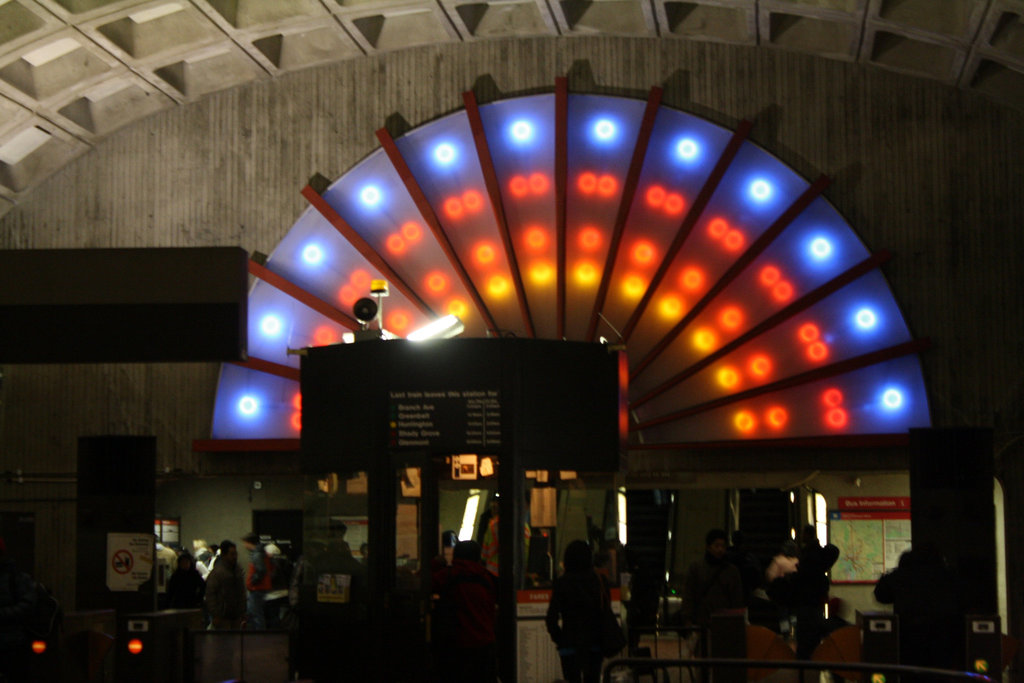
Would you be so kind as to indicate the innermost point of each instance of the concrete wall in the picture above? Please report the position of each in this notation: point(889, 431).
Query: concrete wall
point(922, 169)
point(221, 508)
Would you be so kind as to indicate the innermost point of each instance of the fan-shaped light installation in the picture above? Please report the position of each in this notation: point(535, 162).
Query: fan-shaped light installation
point(749, 308)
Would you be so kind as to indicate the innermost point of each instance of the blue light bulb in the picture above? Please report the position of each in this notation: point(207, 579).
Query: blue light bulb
point(271, 325)
point(521, 131)
point(370, 195)
point(444, 153)
point(865, 318)
point(312, 254)
point(892, 399)
point(687, 149)
point(248, 405)
point(604, 129)
point(760, 190)
point(821, 248)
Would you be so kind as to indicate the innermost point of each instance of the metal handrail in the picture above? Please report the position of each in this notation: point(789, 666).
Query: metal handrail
point(798, 664)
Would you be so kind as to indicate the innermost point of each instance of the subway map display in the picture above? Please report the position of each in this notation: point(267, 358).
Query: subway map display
point(870, 542)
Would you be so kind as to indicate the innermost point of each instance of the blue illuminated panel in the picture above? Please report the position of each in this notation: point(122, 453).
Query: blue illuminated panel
point(521, 137)
point(602, 134)
point(255, 405)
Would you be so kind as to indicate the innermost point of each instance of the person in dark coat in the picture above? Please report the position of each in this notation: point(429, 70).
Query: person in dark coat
point(810, 591)
point(712, 583)
point(17, 600)
point(574, 615)
point(186, 588)
point(225, 590)
point(466, 648)
point(923, 592)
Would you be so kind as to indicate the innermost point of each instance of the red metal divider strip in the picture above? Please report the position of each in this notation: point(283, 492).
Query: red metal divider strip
point(759, 245)
point(643, 138)
point(801, 304)
point(837, 441)
point(690, 220)
point(302, 296)
point(364, 249)
point(848, 365)
point(427, 211)
point(269, 367)
point(483, 152)
point(242, 445)
point(561, 184)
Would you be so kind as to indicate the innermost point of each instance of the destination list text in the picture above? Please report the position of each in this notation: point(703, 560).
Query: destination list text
point(456, 418)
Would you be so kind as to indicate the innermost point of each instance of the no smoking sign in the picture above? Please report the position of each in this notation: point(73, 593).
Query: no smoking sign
point(129, 560)
point(122, 562)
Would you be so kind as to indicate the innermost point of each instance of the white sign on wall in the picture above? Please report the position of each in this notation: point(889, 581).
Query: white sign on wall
point(129, 561)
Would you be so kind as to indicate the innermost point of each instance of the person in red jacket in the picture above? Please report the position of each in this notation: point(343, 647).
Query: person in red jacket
point(463, 622)
point(258, 581)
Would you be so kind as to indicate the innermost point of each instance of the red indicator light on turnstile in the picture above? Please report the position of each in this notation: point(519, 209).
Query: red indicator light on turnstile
point(135, 646)
point(39, 646)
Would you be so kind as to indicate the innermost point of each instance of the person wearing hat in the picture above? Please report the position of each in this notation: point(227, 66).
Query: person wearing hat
point(17, 600)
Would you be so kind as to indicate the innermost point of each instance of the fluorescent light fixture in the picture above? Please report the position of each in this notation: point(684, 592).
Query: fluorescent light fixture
point(442, 328)
point(469, 515)
point(621, 498)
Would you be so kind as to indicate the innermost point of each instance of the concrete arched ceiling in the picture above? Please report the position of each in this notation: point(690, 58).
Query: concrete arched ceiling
point(74, 71)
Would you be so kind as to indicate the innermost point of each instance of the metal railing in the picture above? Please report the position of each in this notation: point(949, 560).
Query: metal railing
point(649, 664)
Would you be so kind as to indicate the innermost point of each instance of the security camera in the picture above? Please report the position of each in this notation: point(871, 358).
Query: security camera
point(365, 310)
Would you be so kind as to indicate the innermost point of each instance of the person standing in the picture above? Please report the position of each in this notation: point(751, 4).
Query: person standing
point(464, 617)
point(17, 600)
point(810, 591)
point(225, 590)
point(578, 598)
point(186, 588)
point(923, 592)
point(258, 581)
point(712, 583)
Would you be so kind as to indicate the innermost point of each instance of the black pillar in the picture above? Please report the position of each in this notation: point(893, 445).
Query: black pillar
point(952, 508)
point(116, 494)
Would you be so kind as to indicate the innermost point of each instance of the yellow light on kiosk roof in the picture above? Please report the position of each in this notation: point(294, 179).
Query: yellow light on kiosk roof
point(135, 646)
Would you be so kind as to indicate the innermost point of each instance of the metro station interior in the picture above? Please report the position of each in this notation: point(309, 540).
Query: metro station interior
point(744, 264)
